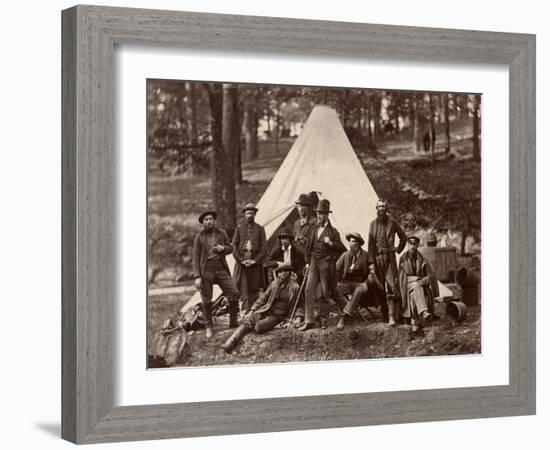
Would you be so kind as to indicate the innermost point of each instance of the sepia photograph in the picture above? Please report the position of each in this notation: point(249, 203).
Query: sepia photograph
point(293, 224)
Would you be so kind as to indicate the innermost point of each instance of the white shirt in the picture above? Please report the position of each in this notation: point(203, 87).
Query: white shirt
point(286, 254)
point(321, 229)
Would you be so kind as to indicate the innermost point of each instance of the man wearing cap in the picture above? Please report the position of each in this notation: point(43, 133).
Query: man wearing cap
point(210, 267)
point(249, 251)
point(356, 278)
point(304, 223)
point(271, 308)
point(324, 248)
point(287, 253)
point(418, 285)
point(382, 252)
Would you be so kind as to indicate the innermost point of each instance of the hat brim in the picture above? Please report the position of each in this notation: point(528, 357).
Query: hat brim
point(250, 209)
point(356, 237)
point(285, 236)
point(284, 268)
point(413, 238)
point(207, 213)
point(323, 211)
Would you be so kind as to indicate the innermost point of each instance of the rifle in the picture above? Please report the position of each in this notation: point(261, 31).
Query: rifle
point(297, 299)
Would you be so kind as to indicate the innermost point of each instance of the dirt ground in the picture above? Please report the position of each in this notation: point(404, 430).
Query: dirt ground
point(359, 340)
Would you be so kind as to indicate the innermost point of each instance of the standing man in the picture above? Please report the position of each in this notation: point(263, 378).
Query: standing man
point(356, 278)
point(324, 248)
point(382, 252)
point(304, 223)
point(250, 246)
point(271, 308)
point(418, 285)
point(210, 267)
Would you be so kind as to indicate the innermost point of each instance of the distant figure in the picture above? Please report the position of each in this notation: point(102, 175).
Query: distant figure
point(210, 267)
point(271, 308)
point(426, 141)
point(324, 248)
point(418, 285)
point(382, 251)
point(249, 244)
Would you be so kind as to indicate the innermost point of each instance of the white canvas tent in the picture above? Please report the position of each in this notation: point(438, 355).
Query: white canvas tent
point(321, 160)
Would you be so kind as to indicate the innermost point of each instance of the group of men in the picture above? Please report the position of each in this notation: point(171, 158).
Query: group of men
point(311, 266)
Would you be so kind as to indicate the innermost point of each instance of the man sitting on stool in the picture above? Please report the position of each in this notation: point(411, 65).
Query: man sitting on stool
point(354, 278)
point(271, 308)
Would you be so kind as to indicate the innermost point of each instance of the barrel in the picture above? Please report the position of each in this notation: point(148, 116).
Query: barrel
point(456, 310)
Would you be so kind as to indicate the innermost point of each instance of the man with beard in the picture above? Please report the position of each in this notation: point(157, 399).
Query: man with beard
point(356, 278)
point(324, 248)
point(304, 223)
point(249, 244)
point(287, 253)
point(271, 308)
point(418, 285)
point(210, 267)
point(382, 251)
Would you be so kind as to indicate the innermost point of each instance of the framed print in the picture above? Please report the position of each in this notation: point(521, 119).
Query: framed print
point(196, 150)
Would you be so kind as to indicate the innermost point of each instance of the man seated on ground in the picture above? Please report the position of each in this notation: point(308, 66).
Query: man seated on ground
point(271, 308)
point(418, 285)
point(356, 278)
point(287, 253)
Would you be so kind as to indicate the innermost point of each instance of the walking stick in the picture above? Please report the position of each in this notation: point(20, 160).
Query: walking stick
point(297, 300)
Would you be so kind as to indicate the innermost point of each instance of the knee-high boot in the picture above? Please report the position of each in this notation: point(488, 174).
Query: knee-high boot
point(233, 313)
point(384, 311)
point(207, 313)
point(235, 338)
point(391, 311)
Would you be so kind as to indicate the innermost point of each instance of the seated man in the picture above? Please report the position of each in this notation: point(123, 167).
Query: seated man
point(356, 278)
point(287, 253)
point(271, 308)
point(418, 285)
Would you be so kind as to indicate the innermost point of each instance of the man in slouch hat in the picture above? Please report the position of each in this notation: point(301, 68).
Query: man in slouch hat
point(356, 278)
point(418, 285)
point(271, 308)
point(382, 252)
point(210, 267)
point(249, 250)
point(288, 253)
point(323, 249)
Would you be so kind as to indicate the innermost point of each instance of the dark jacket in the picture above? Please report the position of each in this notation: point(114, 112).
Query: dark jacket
point(361, 264)
point(296, 257)
point(277, 299)
point(257, 237)
point(301, 233)
point(318, 249)
point(200, 250)
point(375, 236)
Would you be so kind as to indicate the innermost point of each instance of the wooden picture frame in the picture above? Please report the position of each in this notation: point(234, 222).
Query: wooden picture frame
point(90, 34)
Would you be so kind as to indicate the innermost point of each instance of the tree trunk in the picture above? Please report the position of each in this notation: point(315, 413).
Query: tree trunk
point(277, 127)
point(377, 114)
point(369, 127)
point(396, 111)
point(418, 128)
point(191, 115)
point(432, 126)
point(250, 131)
point(476, 146)
point(223, 182)
point(447, 123)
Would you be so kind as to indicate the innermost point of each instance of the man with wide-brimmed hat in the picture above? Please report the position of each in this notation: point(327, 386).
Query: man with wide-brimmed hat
point(271, 308)
point(210, 267)
point(288, 253)
point(356, 278)
point(418, 285)
point(305, 221)
point(382, 253)
point(249, 250)
point(324, 248)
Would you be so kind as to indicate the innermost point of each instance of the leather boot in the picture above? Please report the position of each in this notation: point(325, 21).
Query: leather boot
point(233, 314)
point(391, 318)
point(207, 314)
point(235, 338)
point(384, 311)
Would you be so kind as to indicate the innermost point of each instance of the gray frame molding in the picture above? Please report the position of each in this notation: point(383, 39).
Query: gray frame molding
point(89, 36)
